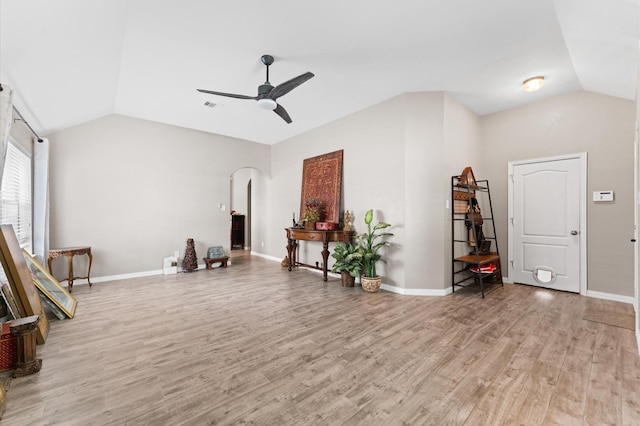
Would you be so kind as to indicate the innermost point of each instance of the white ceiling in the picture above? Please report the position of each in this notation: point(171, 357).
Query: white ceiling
point(71, 61)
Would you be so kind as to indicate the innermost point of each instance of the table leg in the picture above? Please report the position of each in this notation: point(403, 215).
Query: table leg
point(289, 250)
point(70, 257)
point(89, 271)
point(325, 259)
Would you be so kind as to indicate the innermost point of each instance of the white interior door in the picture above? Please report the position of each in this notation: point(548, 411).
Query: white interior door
point(546, 224)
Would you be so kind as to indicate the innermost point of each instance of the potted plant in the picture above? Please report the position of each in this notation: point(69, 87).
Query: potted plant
point(348, 263)
point(311, 213)
point(371, 242)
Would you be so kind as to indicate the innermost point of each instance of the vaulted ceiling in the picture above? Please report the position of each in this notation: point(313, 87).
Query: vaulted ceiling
point(71, 61)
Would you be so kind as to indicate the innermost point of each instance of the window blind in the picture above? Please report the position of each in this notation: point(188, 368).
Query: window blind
point(15, 194)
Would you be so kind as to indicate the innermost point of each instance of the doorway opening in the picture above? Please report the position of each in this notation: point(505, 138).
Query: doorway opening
point(247, 197)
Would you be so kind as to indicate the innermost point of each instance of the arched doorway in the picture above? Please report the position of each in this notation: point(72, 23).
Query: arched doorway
point(247, 193)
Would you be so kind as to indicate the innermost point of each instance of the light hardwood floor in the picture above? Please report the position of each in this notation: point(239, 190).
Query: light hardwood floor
point(256, 344)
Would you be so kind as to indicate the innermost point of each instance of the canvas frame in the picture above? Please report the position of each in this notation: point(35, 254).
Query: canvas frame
point(19, 277)
point(50, 287)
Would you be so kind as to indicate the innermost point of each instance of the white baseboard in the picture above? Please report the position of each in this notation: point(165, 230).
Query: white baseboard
point(416, 291)
point(264, 256)
point(610, 296)
point(132, 275)
point(119, 277)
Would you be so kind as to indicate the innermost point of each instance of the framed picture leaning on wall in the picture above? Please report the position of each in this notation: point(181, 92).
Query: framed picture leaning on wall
point(19, 277)
point(50, 287)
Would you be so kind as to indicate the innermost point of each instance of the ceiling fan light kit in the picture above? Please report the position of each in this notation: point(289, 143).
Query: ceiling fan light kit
point(267, 94)
point(266, 103)
point(533, 84)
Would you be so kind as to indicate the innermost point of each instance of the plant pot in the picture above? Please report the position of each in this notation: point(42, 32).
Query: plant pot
point(311, 226)
point(372, 285)
point(347, 279)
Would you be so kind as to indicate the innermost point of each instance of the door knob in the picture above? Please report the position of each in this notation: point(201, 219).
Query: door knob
point(574, 232)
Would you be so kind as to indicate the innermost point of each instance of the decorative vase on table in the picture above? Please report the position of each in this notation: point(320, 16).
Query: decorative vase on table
point(311, 213)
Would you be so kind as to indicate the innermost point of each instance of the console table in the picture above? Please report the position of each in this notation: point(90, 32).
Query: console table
point(69, 252)
point(325, 237)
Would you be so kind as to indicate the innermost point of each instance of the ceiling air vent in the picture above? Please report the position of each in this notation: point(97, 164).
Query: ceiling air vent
point(213, 105)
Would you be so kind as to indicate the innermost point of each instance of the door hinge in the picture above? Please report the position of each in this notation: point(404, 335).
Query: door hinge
point(511, 264)
point(511, 177)
point(511, 219)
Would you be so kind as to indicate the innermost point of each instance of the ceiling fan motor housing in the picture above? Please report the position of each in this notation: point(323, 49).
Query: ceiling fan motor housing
point(264, 90)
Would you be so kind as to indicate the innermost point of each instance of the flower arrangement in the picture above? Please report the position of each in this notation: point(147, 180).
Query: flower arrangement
point(312, 210)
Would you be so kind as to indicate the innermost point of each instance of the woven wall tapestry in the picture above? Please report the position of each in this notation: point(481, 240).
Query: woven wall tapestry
point(322, 180)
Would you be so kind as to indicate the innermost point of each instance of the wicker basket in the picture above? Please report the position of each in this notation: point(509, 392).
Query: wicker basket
point(372, 285)
point(8, 349)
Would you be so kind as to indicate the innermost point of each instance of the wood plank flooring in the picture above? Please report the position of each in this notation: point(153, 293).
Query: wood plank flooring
point(256, 344)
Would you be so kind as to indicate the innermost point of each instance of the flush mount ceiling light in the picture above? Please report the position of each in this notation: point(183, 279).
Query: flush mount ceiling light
point(533, 84)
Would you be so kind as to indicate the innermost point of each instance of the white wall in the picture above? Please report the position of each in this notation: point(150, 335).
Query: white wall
point(373, 178)
point(462, 148)
point(398, 161)
point(602, 126)
point(135, 190)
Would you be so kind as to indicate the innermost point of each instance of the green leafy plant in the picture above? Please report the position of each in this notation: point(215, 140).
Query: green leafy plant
point(348, 259)
point(371, 242)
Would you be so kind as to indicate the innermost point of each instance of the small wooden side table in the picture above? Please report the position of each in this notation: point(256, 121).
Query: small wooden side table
point(69, 252)
point(296, 234)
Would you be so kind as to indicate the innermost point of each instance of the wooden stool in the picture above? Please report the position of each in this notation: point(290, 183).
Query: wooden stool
point(222, 260)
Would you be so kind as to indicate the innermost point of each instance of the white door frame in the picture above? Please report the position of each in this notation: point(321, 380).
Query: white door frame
point(636, 223)
point(582, 156)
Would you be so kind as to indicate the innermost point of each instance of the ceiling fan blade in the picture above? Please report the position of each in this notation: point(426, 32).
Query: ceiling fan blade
point(282, 113)
point(229, 95)
point(287, 86)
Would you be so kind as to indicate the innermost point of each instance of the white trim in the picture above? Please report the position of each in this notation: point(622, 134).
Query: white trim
point(118, 277)
point(264, 256)
point(133, 275)
point(416, 291)
point(582, 156)
point(636, 235)
point(610, 296)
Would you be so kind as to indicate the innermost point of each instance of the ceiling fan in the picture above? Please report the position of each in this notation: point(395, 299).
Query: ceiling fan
point(267, 94)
